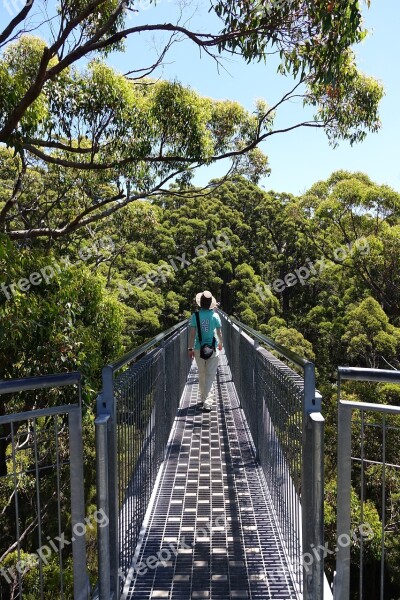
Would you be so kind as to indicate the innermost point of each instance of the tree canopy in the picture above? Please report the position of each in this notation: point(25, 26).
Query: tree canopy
point(64, 111)
point(317, 273)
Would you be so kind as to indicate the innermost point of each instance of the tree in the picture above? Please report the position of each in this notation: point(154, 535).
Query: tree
point(64, 321)
point(370, 338)
point(138, 134)
point(354, 222)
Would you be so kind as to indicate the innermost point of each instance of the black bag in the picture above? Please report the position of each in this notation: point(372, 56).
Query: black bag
point(206, 351)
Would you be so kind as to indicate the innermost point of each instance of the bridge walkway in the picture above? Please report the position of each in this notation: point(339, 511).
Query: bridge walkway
point(210, 530)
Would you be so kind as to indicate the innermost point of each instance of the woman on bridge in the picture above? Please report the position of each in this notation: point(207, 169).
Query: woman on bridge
point(203, 325)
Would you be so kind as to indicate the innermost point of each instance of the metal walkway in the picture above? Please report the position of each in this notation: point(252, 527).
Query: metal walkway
point(210, 530)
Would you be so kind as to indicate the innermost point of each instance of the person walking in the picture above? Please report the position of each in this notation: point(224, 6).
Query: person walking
point(209, 323)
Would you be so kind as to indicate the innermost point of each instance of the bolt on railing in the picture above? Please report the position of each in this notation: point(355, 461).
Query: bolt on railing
point(283, 411)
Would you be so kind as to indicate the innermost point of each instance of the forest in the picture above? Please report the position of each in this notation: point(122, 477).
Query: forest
point(105, 238)
point(318, 273)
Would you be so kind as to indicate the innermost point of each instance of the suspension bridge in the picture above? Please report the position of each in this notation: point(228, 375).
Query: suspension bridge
point(219, 505)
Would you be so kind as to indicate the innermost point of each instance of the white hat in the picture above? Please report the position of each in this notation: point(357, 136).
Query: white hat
point(206, 294)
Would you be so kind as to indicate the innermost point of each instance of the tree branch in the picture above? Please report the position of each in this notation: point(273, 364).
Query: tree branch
point(145, 72)
point(92, 166)
point(61, 146)
point(28, 530)
point(16, 192)
point(31, 95)
point(79, 221)
point(16, 21)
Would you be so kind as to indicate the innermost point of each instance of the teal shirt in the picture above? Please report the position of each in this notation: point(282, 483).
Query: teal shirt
point(209, 322)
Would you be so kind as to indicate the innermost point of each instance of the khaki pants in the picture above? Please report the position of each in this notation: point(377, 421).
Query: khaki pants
point(207, 372)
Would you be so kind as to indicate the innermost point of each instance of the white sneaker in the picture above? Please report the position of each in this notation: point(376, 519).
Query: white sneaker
point(211, 396)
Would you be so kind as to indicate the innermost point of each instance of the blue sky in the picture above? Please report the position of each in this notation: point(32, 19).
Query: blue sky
point(299, 158)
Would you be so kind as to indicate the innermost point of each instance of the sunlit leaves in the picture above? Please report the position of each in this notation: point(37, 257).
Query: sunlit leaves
point(310, 36)
point(106, 15)
point(18, 70)
point(349, 105)
point(369, 334)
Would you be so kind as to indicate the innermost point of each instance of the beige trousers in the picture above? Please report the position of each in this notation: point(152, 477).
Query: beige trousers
point(207, 372)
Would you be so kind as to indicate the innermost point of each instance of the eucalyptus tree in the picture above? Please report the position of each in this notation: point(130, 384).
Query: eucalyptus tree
point(355, 223)
point(112, 139)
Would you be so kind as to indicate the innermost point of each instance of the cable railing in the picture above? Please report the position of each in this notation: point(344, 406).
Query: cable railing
point(282, 410)
point(42, 521)
point(136, 410)
point(367, 433)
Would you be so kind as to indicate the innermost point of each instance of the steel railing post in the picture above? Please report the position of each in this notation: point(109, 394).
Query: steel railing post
point(257, 399)
point(103, 532)
point(318, 424)
point(312, 489)
point(81, 579)
point(109, 407)
point(164, 388)
point(342, 578)
point(344, 463)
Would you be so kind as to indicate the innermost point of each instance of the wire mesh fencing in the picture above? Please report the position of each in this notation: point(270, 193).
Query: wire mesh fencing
point(277, 403)
point(42, 518)
point(367, 497)
point(141, 394)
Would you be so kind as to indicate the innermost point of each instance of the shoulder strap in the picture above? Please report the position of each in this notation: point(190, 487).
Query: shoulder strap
point(198, 325)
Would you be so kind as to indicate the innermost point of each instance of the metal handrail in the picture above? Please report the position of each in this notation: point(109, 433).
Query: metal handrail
point(312, 436)
point(364, 374)
point(38, 413)
point(132, 355)
point(344, 481)
point(40, 382)
point(295, 358)
point(312, 398)
point(144, 363)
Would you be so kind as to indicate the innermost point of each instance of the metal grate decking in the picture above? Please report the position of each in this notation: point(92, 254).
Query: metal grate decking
point(211, 531)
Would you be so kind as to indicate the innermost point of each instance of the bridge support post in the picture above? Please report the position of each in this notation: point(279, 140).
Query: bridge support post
point(106, 406)
point(312, 490)
point(81, 579)
point(103, 531)
point(342, 578)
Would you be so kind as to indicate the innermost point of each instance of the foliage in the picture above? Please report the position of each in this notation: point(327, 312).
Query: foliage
point(340, 240)
point(65, 112)
point(369, 335)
